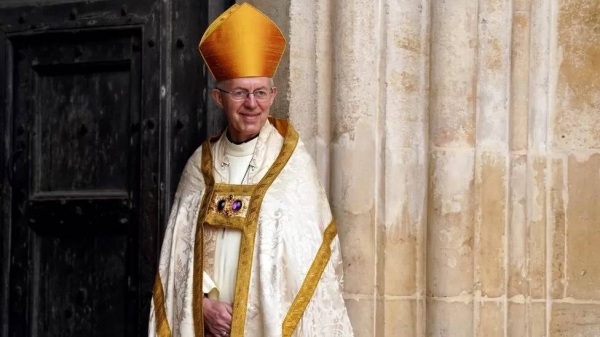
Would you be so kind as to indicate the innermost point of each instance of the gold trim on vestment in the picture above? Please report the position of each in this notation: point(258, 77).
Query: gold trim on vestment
point(247, 246)
point(247, 225)
point(310, 282)
point(197, 293)
point(160, 313)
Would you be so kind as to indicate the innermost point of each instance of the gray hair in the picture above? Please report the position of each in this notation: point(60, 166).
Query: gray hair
point(222, 83)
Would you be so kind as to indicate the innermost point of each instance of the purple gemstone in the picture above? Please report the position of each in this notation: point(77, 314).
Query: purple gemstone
point(236, 206)
point(220, 205)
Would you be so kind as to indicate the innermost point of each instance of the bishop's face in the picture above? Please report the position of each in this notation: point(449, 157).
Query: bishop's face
point(247, 114)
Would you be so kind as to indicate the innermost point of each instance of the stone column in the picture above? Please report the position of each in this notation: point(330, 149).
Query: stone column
point(359, 100)
point(517, 255)
point(573, 194)
point(491, 166)
point(451, 207)
point(356, 152)
point(461, 144)
point(403, 131)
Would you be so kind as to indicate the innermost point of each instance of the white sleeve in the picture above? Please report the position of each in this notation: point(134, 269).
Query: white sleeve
point(209, 287)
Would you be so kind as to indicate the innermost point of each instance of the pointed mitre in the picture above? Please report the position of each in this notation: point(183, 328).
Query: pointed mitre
point(242, 42)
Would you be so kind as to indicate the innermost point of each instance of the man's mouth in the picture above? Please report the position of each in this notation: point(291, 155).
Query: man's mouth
point(250, 117)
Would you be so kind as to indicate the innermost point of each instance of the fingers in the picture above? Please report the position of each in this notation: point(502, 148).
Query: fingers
point(229, 308)
point(225, 315)
point(218, 316)
point(226, 312)
point(226, 324)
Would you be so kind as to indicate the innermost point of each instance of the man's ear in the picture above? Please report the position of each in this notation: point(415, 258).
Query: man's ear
point(217, 97)
point(274, 94)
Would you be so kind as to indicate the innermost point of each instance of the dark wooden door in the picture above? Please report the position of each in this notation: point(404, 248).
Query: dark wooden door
point(101, 104)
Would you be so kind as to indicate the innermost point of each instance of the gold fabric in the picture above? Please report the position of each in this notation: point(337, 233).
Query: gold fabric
point(289, 272)
point(242, 42)
point(309, 285)
point(158, 296)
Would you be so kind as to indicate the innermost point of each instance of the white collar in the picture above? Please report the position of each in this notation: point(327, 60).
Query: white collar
point(240, 150)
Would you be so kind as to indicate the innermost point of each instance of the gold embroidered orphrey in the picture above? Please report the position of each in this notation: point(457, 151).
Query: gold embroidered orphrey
point(246, 219)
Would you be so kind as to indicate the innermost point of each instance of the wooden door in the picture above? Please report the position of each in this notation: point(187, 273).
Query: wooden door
point(101, 104)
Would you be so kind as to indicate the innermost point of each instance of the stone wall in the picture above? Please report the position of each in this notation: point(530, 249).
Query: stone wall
point(460, 144)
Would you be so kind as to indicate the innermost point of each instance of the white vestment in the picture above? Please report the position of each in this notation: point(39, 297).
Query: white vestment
point(288, 277)
point(238, 159)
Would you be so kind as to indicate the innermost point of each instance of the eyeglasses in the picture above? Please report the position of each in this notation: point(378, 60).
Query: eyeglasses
point(240, 95)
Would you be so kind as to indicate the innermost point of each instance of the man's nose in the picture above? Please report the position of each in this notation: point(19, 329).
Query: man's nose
point(250, 100)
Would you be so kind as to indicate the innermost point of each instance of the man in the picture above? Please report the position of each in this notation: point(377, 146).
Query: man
point(251, 247)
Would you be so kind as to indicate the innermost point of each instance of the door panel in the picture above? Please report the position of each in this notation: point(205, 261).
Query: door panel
point(76, 192)
point(104, 103)
point(89, 103)
point(83, 112)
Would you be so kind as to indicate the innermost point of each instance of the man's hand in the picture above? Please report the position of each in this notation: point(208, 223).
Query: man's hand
point(217, 317)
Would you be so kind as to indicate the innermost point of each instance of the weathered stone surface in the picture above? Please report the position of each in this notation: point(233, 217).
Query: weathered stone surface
point(403, 214)
point(493, 75)
point(577, 122)
point(536, 204)
point(358, 251)
point(361, 315)
point(575, 320)
point(402, 257)
point(356, 72)
point(449, 319)
point(354, 207)
point(491, 319)
point(527, 319)
point(450, 223)
point(519, 111)
point(539, 76)
point(521, 5)
point(558, 198)
point(518, 227)
point(302, 68)
point(492, 186)
point(537, 320)
point(406, 76)
point(583, 236)
point(400, 318)
point(355, 138)
point(453, 73)
point(492, 134)
point(403, 202)
point(517, 320)
point(458, 139)
point(323, 87)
